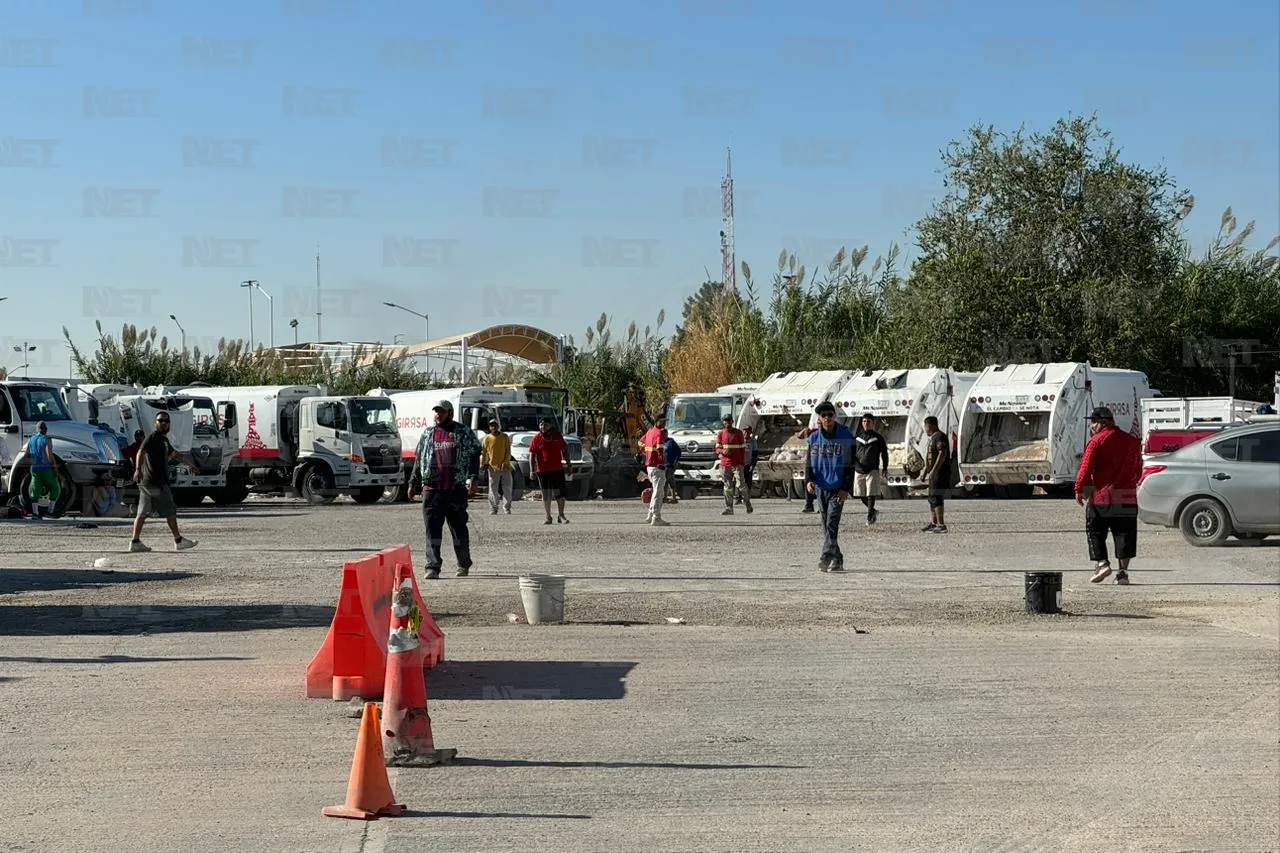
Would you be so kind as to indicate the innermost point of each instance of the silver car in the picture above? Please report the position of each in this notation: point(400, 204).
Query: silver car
point(1225, 485)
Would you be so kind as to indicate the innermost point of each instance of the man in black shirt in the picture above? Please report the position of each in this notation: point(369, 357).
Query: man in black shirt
point(937, 465)
point(154, 494)
point(870, 465)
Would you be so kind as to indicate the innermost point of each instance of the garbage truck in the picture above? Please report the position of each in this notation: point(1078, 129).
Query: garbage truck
point(84, 454)
point(1026, 425)
point(296, 439)
point(693, 420)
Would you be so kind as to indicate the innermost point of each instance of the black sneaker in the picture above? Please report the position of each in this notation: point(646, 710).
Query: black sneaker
point(928, 528)
point(836, 567)
point(462, 573)
point(939, 528)
point(824, 566)
point(1122, 578)
point(872, 515)
point(807, 509)
point(433, 574)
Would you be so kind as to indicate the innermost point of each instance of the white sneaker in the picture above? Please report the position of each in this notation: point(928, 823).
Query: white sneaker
point(138, 548)
point(1102, 571)
point(184, 544)
point(658, 522)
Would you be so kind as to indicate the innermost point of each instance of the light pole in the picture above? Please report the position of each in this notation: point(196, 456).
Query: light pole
point(426, 329)
point(293, 324)
point(250, 284)
point(25, 349)
point(271, 315)
point(184, 336)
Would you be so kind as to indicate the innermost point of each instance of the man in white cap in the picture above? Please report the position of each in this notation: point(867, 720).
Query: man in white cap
point(446, 470)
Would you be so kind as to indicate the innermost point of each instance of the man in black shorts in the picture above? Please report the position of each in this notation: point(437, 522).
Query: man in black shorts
point(549, 460)
point(154, 495)
point(936, 466)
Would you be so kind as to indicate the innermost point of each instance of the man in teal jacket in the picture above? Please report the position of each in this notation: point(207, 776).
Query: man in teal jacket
point(448, 455)
point(828, 475)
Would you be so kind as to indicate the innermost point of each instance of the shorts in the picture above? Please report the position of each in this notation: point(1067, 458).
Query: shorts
point(156, 500)
point(935, 495)
point(551, 481)
point(868, 485)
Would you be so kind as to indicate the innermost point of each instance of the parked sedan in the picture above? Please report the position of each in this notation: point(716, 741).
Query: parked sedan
point(1225, 485)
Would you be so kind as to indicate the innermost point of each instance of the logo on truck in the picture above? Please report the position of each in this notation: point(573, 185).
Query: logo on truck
point(253, 441)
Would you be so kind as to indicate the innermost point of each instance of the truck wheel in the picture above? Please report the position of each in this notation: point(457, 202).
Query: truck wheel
point(400, 494)
point(316, 479)
point(234, 492)
point(68, 492)
point(368, 494)
point(586, 491)
point(188, 497)
point(1204, 523)
point(687, 493)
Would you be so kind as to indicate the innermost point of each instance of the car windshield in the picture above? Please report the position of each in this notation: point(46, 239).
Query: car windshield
point(523, 418)
point(206, 419)
point(38, 403)
point(373, 416)
point(698, 412)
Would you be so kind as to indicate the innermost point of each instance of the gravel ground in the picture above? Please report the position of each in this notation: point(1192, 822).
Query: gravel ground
point(909, 704)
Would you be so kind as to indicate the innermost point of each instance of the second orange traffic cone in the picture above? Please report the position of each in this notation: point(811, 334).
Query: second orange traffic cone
point(406, 731)
point(368, 789)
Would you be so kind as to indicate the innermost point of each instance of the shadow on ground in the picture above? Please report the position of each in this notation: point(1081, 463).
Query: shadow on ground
point(511, 679)
point(620, 765)
point(33, 580)
point(93, 619)
point(116, 659)
point(419, 813)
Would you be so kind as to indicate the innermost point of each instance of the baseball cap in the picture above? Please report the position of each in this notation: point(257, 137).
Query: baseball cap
point(1102, 413)
point(826, 408)
point(443, 406)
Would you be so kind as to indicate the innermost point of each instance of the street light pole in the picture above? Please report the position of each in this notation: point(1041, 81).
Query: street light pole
point(25, 349)
point(293, 324)
point(271, 315)
point(426, 329)
point(184, 336)
point(250, 284)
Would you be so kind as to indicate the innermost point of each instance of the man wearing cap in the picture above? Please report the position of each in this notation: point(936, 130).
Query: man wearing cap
point(653, 456)
point(870, 465)
point(1107, 487)
point(549, 461)
point(446, 469)
point(45, 489)
point(495, 458)
point(731, 447)
point(828, 475)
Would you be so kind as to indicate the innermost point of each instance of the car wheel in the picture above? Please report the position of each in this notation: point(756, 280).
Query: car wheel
point(1204, 523)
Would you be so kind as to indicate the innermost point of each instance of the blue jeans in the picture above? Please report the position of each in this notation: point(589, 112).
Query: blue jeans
point(831, 508)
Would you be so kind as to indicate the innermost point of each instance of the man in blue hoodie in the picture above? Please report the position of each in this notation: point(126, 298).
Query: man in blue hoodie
point(828, 475)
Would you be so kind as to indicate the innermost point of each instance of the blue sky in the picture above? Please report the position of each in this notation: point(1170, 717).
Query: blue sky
point(542, 161)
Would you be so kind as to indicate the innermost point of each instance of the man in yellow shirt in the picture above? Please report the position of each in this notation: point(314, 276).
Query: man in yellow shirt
point(495, 457)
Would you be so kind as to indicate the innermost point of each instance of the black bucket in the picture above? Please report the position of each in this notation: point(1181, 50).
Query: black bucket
point(1044, 592)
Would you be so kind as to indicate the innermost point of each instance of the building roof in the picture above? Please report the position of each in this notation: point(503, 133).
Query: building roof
point(529, 343)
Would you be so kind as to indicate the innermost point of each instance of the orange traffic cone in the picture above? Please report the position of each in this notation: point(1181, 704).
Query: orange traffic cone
point(406, 729)
point(368, 790)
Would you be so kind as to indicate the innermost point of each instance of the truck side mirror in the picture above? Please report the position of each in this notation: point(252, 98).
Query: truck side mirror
point(227, 416)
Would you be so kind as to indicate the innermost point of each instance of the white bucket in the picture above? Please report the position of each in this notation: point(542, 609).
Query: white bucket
point(543, 598)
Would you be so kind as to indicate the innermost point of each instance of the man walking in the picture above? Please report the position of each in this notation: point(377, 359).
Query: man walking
point(45, 489)
point(828, 476)
point(937, 463)
point(753, 456)
point(549, 460)
point(446, 469)
point(731, 447)
point(154, 495)
point(651, 448)
point(495, 458)
point(1107, 486)
point(670, 457)
point(870, 465)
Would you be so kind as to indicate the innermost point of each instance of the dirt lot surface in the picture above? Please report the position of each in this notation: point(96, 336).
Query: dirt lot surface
point(909, 704)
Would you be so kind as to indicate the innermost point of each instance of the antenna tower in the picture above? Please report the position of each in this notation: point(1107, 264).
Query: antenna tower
point(728, 274)
point(319, 337)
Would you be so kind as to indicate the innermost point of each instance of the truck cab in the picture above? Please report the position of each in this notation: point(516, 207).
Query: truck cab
point(693, 421)
point(84, 453)
point(347, 445)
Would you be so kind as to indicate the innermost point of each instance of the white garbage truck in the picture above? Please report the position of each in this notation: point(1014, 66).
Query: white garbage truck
point(296, 439)
point(693, 420)
point(900, 401)
point(776, 411)
point(1026, 425)
point(85, 454)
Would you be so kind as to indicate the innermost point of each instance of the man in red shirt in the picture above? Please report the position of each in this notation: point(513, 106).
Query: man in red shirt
point(655, 466)
point(1107, 486)
point(731, 447)
point(548, 461)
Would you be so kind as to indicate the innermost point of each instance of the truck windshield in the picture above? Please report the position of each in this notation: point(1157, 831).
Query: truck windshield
point(698, 412)
point(40, 403)
point(372, 416)
point(524, 418)
point(205, 418)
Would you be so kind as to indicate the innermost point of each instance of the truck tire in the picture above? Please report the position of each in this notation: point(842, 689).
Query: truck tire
point(68, 493)
point(368, 494)
point(1204, 523)
point(314, 480)
point(234, 492)
point(188, 497)
point(400, 494)
point(584, 491)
